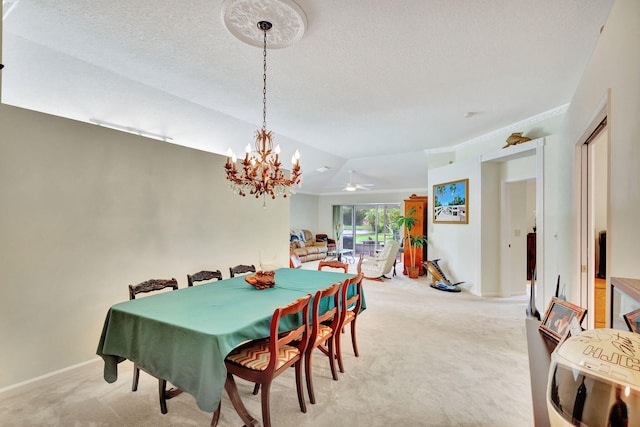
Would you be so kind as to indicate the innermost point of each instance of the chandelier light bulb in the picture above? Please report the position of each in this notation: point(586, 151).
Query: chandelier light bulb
point(278, 149)
point(248, 149)
point(234, 158)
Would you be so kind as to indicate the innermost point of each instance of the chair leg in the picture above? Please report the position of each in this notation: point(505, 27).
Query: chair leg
point(353, 338)
point(266, 413)
point(256, 389)
point(236, 401)
point(136, 376)
point(162, 386)
point(323, 348)
point(216, 415)
point(308, 374)
point(338, 351)
point(332, 358)
point(300, 387)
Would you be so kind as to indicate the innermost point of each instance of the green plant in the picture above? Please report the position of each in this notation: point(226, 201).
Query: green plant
point(408, 221)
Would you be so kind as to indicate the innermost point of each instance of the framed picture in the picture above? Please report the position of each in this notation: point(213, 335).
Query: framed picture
point(451, 202)
point(558, 317)
point(633, 320)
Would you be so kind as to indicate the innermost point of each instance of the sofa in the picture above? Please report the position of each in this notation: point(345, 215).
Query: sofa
point(307, 246)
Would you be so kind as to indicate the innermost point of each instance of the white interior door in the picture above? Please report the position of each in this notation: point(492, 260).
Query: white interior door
point(519, 201)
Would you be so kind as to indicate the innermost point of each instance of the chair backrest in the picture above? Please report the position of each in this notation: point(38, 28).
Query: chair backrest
point(390, 249)
point(353, 302)
point(359, 265)
point(389, 254)
point(332, 315)
point(331, 243)
point(152, 285)
point(299, 334)
point(202, 276)
point(333, 264)
point(241, 269)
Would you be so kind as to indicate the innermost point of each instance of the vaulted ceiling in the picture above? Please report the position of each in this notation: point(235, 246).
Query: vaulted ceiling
point(369, 87)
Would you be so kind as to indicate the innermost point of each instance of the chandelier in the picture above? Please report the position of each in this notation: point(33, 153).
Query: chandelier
point(260, 173)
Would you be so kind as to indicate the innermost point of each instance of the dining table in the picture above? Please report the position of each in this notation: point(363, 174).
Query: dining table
point(183, 336)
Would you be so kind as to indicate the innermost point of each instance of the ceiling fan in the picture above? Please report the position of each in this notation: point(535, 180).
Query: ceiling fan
point(350, 186)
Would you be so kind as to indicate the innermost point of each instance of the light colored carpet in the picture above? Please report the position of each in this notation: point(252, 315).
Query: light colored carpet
point(427, 358)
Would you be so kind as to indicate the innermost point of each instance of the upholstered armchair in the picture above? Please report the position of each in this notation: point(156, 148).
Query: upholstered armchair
point(376, 266)
point(331, 243)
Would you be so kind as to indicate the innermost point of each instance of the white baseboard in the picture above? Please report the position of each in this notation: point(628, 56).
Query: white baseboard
point(50, 374)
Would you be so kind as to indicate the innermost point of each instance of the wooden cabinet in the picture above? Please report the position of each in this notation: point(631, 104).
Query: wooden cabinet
point(419, 203)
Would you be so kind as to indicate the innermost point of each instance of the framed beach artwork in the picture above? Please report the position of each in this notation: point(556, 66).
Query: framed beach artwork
point(558, 317)
point(451, 202)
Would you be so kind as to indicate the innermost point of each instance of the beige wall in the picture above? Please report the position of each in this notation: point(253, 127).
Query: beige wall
point(614, 66)
point(459, 245)
point(88, 210)
point(304, 212)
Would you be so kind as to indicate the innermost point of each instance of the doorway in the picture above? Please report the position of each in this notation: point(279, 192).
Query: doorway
point(594, 153)
point(501, 171)
point(519, 236)
point(367, 227)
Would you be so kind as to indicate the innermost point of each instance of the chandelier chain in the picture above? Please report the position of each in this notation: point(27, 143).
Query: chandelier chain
point(264, 83)
point(260, 173)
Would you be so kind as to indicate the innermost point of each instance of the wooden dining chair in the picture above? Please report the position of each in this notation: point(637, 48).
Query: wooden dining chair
point(241, 269)
point(294, 261)
point(349, 309)
point(154, 285)
point(323, 329)
point(260, 361)
point(203, 276)
point(333, 264)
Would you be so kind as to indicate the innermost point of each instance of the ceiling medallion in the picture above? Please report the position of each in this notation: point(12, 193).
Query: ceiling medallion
point(288, 20)
point(260, 173)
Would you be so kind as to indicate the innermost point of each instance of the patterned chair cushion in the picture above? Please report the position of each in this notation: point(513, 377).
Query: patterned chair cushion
point(256, 356)
point(324, 332)
point(349, 316)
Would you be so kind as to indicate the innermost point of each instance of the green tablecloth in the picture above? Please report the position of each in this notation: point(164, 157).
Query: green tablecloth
point(183, 336)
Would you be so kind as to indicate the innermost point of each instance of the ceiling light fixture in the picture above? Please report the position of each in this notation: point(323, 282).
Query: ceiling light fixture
point(131, 130)
point(260, 173)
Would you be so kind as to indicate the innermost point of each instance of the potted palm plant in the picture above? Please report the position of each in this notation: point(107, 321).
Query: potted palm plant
point(408, 221)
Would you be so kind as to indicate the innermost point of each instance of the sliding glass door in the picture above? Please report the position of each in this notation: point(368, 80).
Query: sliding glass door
point(367, 227)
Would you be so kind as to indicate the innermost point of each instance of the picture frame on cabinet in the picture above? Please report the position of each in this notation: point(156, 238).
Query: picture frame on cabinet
point(451, 202)
point(558, 318)
point(633, 320)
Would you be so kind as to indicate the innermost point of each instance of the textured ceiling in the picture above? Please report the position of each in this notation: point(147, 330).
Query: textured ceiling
point(369, 87)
